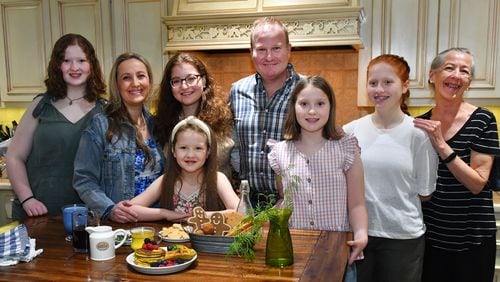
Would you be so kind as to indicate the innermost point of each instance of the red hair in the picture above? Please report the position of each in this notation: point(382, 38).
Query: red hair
point(402, 70)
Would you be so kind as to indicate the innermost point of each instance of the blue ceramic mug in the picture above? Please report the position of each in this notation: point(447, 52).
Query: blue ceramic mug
point(67, 212)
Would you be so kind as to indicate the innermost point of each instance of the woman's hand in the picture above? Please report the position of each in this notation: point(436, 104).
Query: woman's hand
point(123, 213)
point(474, 175)
point(433, 129)
point(34, 207)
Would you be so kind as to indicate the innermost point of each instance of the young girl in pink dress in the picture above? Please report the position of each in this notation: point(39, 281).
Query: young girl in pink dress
point(330, 193)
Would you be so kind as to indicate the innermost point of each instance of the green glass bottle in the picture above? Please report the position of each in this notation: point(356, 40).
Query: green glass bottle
point(279, 249)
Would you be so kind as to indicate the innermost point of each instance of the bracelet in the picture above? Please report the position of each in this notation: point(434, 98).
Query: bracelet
point(450, 158)
point(27, 199)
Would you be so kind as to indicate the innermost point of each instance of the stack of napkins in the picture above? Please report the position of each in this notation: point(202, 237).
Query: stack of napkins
point(16, 245)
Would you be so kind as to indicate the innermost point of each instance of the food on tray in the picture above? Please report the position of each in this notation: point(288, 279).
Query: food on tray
point(228, 224)
point(240, 228)
point(207, 228)
point(218, 221)
point(233, 218)
point(198, 218)
point(174, 232)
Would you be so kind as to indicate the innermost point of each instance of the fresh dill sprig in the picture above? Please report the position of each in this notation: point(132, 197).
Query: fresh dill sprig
point(244, 241)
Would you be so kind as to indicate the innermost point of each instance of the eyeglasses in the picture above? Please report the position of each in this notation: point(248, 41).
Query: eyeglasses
point(190, 80)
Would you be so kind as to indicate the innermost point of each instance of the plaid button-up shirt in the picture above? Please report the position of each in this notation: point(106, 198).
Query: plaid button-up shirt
point(257, 119)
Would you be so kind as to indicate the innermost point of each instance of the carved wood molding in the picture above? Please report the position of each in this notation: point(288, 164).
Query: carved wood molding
point(328, 27)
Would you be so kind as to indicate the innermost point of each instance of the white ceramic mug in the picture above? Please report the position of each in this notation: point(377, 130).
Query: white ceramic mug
point(102, 242)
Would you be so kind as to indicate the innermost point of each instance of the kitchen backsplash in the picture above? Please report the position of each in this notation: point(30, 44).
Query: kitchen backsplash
point(338, 65)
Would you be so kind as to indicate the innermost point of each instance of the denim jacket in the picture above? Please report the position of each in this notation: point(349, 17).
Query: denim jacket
point(104, 171)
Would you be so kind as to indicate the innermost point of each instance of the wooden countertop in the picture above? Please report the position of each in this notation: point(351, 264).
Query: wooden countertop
point(318, 255)
point(5, 184)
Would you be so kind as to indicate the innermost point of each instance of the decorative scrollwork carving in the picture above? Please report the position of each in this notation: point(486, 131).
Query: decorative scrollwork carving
point(208, 32)
point(242, 31)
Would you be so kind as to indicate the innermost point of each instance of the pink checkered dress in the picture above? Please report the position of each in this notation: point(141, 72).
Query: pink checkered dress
point(320, 200)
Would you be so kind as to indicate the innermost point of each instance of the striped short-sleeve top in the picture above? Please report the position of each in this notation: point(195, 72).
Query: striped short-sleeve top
point(455, 218)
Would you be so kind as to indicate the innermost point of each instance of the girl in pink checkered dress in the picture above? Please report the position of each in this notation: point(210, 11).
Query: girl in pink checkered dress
point(330, 193)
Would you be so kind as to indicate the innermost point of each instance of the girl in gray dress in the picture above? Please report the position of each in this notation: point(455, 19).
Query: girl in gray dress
point(40, 157)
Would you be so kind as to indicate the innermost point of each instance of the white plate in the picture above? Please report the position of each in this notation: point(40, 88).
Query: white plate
point(159, 270)
point(173, 240)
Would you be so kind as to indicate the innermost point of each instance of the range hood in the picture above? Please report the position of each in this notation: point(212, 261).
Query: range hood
point(337, 26)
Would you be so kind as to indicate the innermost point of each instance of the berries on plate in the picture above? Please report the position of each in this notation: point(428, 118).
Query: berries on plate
point(149, 245)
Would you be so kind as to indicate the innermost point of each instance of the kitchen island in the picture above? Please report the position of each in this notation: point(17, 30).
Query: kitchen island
point(318, 255)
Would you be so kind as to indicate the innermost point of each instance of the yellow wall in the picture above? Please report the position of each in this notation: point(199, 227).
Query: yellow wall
point(416, 111)
point(10, 114)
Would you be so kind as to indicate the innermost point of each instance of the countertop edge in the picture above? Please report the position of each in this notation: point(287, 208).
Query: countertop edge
point(5, 184)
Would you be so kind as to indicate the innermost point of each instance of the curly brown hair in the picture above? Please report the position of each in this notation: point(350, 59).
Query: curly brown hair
point(213, 110)
point(56, 86)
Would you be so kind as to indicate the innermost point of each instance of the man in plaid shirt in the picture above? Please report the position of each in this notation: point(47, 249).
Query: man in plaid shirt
point(259, 103)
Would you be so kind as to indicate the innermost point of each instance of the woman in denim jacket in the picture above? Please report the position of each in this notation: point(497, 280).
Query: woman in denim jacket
point(118, 157)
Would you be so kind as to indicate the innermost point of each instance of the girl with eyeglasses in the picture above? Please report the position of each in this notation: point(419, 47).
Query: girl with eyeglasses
point(187, 89)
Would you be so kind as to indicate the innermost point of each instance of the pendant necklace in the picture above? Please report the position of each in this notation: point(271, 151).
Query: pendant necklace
point(72, 100)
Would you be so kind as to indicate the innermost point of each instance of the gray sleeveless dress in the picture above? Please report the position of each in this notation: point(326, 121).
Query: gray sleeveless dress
point(50, 162)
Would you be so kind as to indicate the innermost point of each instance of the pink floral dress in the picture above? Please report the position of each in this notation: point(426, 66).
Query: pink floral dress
point(185, 203)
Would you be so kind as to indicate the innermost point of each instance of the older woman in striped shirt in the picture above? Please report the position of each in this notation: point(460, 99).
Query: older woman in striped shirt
point(460, 237)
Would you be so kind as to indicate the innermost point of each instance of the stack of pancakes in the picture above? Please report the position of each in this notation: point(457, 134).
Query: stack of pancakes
point(145, 257)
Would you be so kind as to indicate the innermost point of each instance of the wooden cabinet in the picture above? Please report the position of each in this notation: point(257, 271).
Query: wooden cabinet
point(189, 7)
point(137, 27)
point(224, 25)
point(419, 29)
point(24, 48)
point(29, 29)
point(90, 18)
